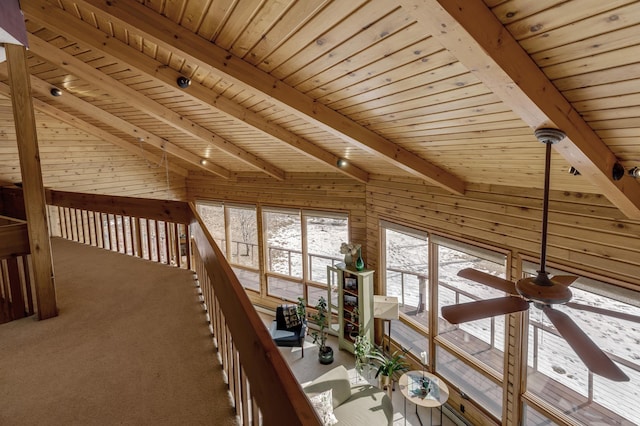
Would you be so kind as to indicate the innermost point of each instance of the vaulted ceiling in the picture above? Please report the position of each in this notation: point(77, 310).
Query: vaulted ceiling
point(446, 91)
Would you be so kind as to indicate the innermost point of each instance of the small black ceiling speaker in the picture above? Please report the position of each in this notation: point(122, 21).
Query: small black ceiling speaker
point(617, 172)
point(183, 82)
point(55, 92)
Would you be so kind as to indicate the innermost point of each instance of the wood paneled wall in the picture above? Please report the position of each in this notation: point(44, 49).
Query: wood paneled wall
point(585, 230)
point(73, 160)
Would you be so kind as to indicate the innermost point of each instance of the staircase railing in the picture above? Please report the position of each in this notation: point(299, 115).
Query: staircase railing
point(263, 387)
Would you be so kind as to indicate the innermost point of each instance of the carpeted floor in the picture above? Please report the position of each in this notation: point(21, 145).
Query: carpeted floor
point(130, 347)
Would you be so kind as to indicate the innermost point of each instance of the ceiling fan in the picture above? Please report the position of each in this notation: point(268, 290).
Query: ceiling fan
point(543, 292)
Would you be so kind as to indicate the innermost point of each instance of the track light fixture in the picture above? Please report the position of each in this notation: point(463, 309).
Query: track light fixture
point(203, 162)
point(342, 163)
point(634, 172)
point(183, 82)
point(55, 92)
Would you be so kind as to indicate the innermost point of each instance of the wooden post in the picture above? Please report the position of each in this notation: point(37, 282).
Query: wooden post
point(34, 197)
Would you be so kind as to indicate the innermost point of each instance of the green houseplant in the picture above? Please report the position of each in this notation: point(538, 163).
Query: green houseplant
point(388, 365)
point(325, 353)
point(361, 350)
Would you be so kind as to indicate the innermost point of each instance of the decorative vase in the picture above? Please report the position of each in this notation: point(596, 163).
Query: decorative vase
point(359, 261)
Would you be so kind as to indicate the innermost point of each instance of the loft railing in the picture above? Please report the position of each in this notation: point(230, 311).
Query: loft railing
point(16, 296)
point(263, 387)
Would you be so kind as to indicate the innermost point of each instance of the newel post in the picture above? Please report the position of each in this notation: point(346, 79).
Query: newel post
point(33, 188)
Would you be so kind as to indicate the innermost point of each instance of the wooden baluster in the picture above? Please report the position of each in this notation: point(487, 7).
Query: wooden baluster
point(15, 286)
point(27, 283)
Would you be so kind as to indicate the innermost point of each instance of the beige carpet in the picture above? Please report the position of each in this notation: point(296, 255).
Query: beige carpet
point(130, 347)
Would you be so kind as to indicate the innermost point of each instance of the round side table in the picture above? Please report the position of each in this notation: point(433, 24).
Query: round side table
point(411, 388)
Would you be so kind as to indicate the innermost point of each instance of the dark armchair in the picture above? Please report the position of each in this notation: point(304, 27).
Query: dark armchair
point(288, 329)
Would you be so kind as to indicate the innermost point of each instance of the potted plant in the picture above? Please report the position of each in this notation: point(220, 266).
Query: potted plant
point(361, 351)
point(388, 365)
point(325, 353)
point(301, 309)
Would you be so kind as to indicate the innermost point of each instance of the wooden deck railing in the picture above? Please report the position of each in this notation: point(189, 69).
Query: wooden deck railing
point(263, 387)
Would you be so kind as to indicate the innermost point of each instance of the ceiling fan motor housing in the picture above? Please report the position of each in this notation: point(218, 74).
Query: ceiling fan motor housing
point(541, 289)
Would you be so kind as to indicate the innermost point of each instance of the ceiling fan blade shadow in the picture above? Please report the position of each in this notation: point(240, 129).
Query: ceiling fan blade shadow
point(610, 313)
point(488, 280)
point(564, 279)
point(471, 311)
point(593, 357)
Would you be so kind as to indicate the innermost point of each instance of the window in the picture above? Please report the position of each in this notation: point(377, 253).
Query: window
point(235, 231)
point(324, 233)
point(213, 217)
point(486, 392)
point(406, 267)
point(299, 247)
point(243, 236)
point(558, 377)
point(482, 339)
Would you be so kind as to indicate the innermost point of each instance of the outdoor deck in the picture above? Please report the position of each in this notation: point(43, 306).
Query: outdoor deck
point(560, 396)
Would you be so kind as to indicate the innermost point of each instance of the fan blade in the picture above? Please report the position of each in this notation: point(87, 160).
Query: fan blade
point(489, 280)
point(471, 311)
point(593, 357)
point(607, 312)
point(564, 279)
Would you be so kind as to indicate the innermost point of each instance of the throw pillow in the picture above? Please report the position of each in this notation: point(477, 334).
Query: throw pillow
point(322, 404)
point(291, 318)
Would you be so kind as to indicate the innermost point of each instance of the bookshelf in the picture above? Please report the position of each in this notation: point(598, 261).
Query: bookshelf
point(351, 299)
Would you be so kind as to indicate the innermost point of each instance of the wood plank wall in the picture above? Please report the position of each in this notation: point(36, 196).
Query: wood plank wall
point(73, 160)
point(585, 230)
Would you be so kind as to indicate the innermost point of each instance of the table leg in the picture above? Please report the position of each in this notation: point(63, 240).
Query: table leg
point(405, 411)
point(418, 416)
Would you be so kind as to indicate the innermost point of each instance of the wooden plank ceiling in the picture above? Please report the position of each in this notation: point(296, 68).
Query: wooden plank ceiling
point(443, 90)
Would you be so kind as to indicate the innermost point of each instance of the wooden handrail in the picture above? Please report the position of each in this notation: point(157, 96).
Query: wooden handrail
point(277, 392)
point(14, 240)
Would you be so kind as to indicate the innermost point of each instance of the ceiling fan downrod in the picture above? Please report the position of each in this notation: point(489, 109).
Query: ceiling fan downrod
point(548, 137)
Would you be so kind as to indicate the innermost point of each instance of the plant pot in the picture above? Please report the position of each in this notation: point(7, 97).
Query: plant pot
point(325, 356)
point(385, 383)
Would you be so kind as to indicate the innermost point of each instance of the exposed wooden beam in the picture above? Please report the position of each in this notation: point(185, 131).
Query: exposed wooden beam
point(111, 120)
point(55, 18)
point(469, 30)
point(138, 19)
point(89, 128)
point(33, 189)
point(86, 72)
